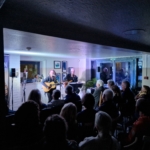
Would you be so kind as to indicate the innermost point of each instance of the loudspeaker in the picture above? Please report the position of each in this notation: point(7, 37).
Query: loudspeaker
point(12, 72)
point(99, 69)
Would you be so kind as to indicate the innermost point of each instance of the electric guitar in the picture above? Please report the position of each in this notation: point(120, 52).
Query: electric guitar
point(51, 85)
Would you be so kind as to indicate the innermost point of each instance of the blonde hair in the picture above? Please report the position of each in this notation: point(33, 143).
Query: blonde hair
point(69, 112)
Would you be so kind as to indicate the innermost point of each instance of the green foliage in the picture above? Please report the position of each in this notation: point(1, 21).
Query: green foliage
point(90, 83)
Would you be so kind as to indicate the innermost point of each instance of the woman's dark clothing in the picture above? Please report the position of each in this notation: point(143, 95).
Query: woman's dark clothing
point(58, 145)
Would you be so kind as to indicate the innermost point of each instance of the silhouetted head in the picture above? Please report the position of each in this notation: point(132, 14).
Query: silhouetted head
point(125, 85)
point(110, 83)
point(107, 95)
point(27, 115)
point(35, 95)
point(88, 101)
point(69, 89)
point(56, 94)
point(103, 122)
point(55, 129)
point(69, 112)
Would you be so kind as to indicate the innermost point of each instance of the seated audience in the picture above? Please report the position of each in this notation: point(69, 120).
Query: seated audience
point(104, 140)
point(117, 99)
point(55, 101)
point(86, 117)
point(110, 83)
point(35, 79)
point(108, 106)
point(27, 126)
point(88, 114)
point(72, 97)
point(98, 92)
point(144, 93)
point(69, 112)
point(55, 131)
point(35, 95)
point(128, 107)
point(142, 125)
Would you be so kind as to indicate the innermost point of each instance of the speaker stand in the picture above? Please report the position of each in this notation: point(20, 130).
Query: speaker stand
point(12, 94)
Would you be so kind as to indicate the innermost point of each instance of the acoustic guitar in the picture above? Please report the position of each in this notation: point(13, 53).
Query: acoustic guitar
point(66, 83)
point(51, 85)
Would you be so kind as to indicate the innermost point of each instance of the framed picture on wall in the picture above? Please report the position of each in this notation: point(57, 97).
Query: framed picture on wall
point(58, 77)
point(64, 66)
point(57, 64)
point(64, 76)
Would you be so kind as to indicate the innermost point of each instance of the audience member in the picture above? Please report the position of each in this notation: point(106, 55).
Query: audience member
point(141, 126)
point(103, 140)
point(35, 95)
point(98, 92)
point(88, 114)
point(144, 93)
point(108, 106)
point(55, 129)
point(69, 113)
point(128, 107)
point(110, 83)
point(55, 101)
point(104, 76)
point(86, 117)
point(35, 79)
point(117, 99)
point(27, 125)
point(73, 97)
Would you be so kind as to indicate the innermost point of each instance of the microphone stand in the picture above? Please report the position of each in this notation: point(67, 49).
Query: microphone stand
point(24, 91)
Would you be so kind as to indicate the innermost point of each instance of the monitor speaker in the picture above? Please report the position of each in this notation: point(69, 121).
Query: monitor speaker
point(98, 68)
point(12, 72)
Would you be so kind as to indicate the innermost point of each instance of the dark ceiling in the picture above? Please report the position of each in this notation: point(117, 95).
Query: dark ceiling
point(118, 23)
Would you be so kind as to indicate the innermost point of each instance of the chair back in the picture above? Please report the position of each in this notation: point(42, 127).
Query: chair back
point(100, 98)
point(146, 143)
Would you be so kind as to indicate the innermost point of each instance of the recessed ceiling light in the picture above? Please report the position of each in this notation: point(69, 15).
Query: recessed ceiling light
point(134, 31)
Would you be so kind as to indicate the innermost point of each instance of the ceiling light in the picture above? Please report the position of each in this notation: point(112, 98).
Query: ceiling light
point(134, 31)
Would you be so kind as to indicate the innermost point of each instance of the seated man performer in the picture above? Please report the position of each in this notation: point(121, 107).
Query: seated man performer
point(71, 77)
point(50, 78)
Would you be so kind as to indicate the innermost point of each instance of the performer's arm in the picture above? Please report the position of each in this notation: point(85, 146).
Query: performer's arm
point(45, 80)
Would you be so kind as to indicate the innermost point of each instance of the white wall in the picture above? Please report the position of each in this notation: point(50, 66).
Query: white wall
point(47, 63)
point(14, 62)
point(82, 67)
point(146, 70)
